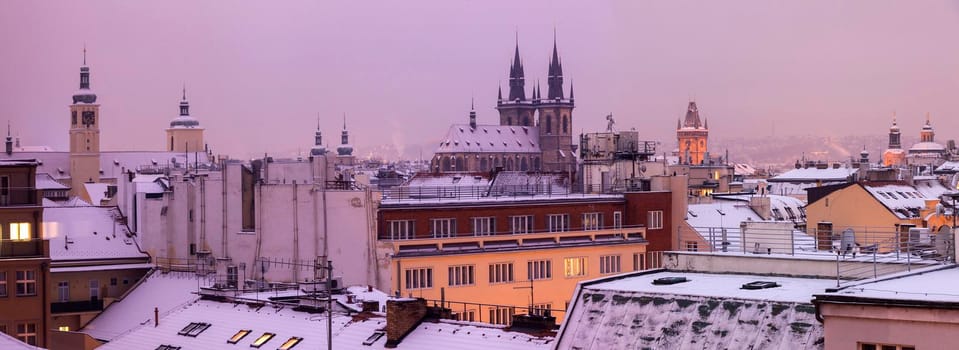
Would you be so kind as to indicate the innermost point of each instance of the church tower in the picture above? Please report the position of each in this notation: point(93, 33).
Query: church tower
point(894, 155)
point(927, 134)
point(515, 109)
point(556, 119)
point(693, 137)
point(184, 133)
point(318, 148)
point(84, 134)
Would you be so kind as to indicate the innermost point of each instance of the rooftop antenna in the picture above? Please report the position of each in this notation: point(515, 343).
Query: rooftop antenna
point(317, 120)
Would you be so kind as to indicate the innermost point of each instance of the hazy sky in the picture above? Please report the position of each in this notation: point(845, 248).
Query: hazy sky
point(258, 73)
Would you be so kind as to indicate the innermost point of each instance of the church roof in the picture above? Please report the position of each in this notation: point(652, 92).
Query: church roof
point(460, 138)
point(926, 147)
point(692, 117)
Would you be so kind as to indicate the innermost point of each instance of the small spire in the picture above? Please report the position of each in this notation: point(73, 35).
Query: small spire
point(705, 123)
point(472, 103)
point(317, 121)
point(927, 118)
point(499, 93)
point(84, 54)
point(893, 117)
point(8, 129)
point(344, 120)
point(184, 91)
point(571, 89)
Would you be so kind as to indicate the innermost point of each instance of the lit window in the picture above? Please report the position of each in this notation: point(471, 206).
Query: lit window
point(592, 221)
point(262, 340)
point(655, 220)
point(290, 343)
point(238, 336)
point(557, 222)
point(539, 269)
point(20, 231)
point(194, 329)
point(26, 282)
point(574, 267)
point(484, 226)
point(63, 328)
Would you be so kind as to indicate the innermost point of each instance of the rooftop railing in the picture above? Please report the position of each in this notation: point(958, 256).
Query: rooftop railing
point(24, 248)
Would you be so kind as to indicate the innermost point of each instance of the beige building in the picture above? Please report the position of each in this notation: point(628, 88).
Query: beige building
point(84, 134)
point(185, 134)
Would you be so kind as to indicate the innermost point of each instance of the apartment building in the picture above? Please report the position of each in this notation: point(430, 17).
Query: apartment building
point(24, 256)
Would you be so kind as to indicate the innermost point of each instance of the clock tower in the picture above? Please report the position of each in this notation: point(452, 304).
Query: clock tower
point(84, 134)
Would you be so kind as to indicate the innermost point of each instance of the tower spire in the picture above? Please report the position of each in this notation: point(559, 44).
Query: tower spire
point(84, 54)
point(555, 76)
point(184, 91)
point(517, 78)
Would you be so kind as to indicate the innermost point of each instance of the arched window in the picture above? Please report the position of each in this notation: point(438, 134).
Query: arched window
point(536, 166)
point(509, 120)
point(484, 166)
point(509, 164)
point(549, 124)
point(525, 120)
point(445, 164)
point(459, 164)
point(565, 124)
point(523, 165)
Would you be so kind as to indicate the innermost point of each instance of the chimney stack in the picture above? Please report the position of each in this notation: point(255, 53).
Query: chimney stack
point(402, 317)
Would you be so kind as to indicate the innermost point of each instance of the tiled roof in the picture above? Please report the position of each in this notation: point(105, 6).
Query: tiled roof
point(490, 139)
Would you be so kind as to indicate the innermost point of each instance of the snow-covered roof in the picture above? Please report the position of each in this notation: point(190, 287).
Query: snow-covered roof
point(710, 311)
point(930, 188)
point(949, 167)
point(460, 138)
point(226, 319)
point(927, 147)
point(448, 180)
point(97, 192)
point(813, 174)
point(8, 342)
point(938, 285)
point(903, 200)
point(151, 183)
point(47, 182)
point(57, 164)
point(17, 162)
point(88, 233)
point(720, 214)
point(165, 291)
point(744, 169)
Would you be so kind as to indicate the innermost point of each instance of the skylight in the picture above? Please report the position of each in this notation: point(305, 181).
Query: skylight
point(238, 336)
point(194, 329)
point(759, 285)
point(168, 347)
point(669, 280)
point(262, 340)
point(290, 343)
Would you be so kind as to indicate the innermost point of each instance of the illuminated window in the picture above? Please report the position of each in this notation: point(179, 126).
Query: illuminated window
point(194, 329)
point(20, 231)
point(238, 336)
point(262, 340)
point(290, 343)
point(574, 267)
point(63, 328)
point(592, 221)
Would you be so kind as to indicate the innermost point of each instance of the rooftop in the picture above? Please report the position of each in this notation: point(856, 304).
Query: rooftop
point(461, 138)
point(813, 174)
point(928, 285)
point(88, 233)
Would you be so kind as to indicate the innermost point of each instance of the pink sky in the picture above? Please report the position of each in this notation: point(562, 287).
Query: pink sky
point(258, 73)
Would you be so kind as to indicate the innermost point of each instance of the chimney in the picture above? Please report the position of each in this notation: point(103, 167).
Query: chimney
point(761, 206)
point(402, 317)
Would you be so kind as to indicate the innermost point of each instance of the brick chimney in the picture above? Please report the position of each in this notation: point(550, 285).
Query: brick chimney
point(402, 317)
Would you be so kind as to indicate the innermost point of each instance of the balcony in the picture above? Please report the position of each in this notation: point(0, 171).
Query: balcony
point(501, 242)
point(76, 306)
point(24, 248)
point(19, 197)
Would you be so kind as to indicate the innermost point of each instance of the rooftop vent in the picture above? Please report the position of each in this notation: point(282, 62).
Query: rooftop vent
point(669, 280)
point(760, 285)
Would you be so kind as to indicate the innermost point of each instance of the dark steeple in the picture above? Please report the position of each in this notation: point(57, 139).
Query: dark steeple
point(692, 117)
point(517, 79)
point(184, 104)
point(555, 78)
point(472, 114)
point(570, 90)
point(84, 95)
point(499, 94)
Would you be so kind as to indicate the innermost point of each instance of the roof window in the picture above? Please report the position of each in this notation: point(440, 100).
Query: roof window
point(290, 343)
point(670, 280)
point(168, 347)
point(262, 340)
point(194, 329)
point(238, 336)
point(760, 285)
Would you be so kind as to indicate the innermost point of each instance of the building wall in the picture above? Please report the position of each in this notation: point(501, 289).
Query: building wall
point(80, 291)
point(555, 291)
point(846, 326)
point(638, 207)
point(33, 308)
point(695, 143)
point(853, 207)
point(185, 140)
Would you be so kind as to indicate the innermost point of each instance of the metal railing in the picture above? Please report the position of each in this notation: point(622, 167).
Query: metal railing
point(463, 310)
point(76, 306)
point(23, 248)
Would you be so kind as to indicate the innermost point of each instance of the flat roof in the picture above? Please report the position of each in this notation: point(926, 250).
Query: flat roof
point(791, 289)
point(936, 285)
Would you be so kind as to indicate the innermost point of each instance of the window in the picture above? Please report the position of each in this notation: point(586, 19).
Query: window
point(592, 221)
point(26, 282)
point(238, 336)
point(574, 267)
point(609, 264)
point(63, 291)
point(443, 228)
point(501, 273)
point(484, 226)
point(168, 347)
point(290, 343)
point(617, 220)
point(3, 283)
point(655, 220)
point(400, 229)
point(194, 329)
point(539, 270)
point(877, 346)
point(63, 328)
point(262, 340)
point(778, 215)
point(541, 309)
point(94, 289)
point(557, 222)
point(462, 275)
point(5, 190)
point(692, 246)
point(639, 261)
point(27, 333)
point(20, 231)
point(113, 281)
point(419, 278)
point(521, 224)
point(500, 315)
point(467, 315)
